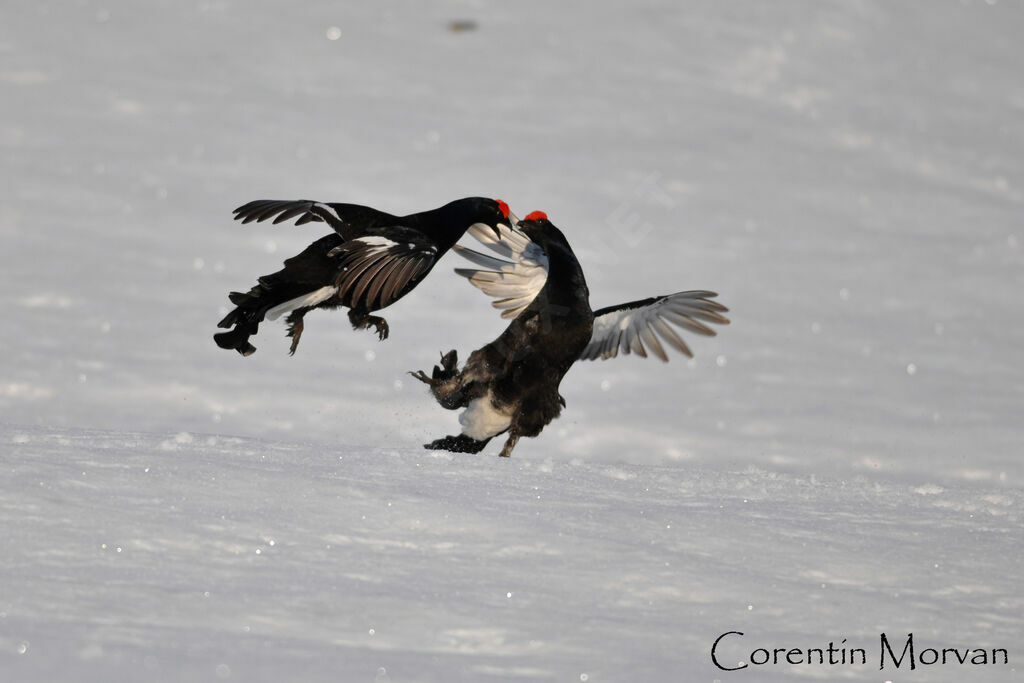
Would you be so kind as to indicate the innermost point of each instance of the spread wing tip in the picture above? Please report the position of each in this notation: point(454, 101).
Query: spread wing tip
point(642, 327)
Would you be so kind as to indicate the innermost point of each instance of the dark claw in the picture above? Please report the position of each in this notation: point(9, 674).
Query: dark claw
point(295, 332)
point(422, 376)
point(361, 321)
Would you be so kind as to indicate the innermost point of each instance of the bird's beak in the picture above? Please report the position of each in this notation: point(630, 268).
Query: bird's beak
point(510, 219)
point(513, 222)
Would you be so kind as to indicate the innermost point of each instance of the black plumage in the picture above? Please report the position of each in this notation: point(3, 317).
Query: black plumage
point(371, 260)
point(511, 385)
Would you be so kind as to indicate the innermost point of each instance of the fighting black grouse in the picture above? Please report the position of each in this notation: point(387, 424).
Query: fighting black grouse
point(371, 260)
point(511, 385)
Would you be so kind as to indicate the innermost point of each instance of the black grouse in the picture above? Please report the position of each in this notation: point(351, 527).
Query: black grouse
point(511, 385)
point(371, 260)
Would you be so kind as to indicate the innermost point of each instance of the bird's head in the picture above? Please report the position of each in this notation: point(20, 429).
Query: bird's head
point(539, 228)
point(535, 225)
point(462, 214)
point(504, 216)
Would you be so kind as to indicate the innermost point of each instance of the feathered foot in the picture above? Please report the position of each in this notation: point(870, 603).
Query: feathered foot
point(295, 327)
point(361, 320)
point(457, 444)
point(237, 339)
point(439, 375)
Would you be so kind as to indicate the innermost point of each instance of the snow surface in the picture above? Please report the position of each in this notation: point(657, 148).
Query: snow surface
point(844, 459)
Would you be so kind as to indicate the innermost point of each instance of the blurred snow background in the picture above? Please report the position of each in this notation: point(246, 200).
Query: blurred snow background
point(843, 459)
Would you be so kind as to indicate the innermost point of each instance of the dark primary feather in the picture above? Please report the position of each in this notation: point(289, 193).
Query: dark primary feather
point(262, 209)
point(372, 277)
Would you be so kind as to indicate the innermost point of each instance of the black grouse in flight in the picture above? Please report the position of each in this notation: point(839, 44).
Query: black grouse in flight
point(371, 260)
point(511, 385)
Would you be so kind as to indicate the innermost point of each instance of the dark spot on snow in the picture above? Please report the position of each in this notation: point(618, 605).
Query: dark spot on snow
point(462, 25)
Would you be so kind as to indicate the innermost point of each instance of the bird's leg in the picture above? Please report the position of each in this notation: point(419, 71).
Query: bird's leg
point(506, 450)
point(439, 375)
point(238, 338)
point(295, 326)
point(361, 320)
point(447, 384)
point(381, 324)
point(422, 376)
point(457, 444)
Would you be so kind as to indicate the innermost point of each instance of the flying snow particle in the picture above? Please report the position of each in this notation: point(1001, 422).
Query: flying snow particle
point(911, 369)
point(333, 33)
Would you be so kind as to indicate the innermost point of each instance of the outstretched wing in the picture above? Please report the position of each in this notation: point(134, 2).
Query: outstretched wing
point(284, 209)
point(375, 271)
point(340, 217)
point(516, 278)
point(628, 327)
